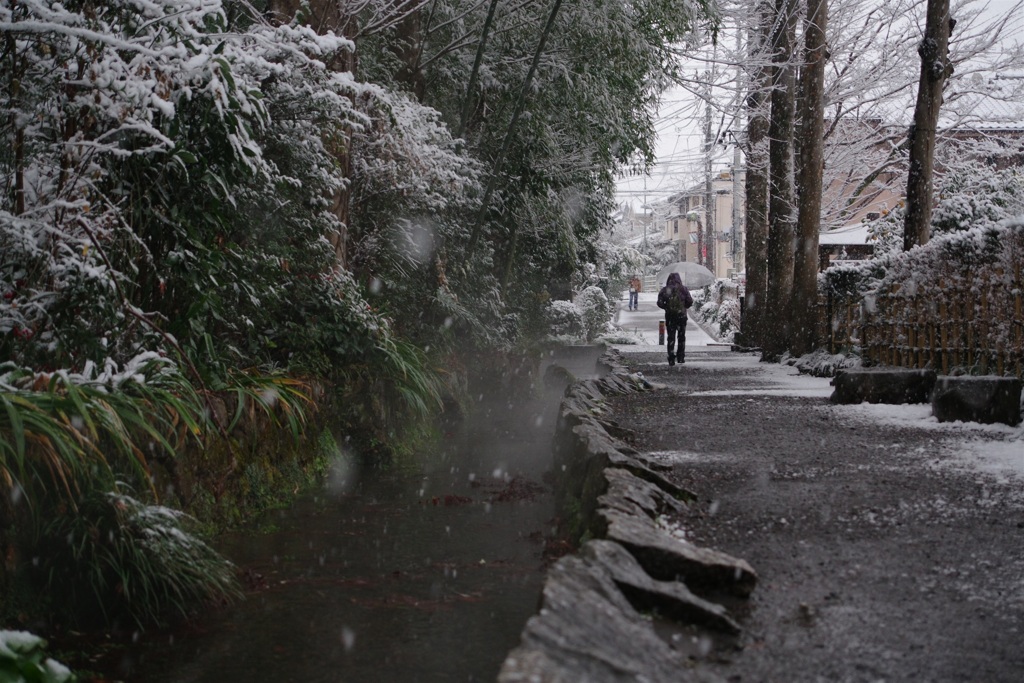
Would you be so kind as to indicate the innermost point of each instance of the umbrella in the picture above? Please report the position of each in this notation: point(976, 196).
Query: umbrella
point(692, 274)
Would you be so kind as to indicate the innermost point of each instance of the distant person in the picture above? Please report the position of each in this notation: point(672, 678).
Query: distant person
point(675, 298)
point(634, 293)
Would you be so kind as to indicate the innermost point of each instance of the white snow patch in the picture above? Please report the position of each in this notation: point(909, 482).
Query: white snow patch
point(999, 458)
point(778, 380)
point(996, 449)
point(792, 392)
point(681, 457)
point(906, 415)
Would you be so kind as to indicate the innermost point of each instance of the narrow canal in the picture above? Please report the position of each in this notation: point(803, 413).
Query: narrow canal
point(426, 574)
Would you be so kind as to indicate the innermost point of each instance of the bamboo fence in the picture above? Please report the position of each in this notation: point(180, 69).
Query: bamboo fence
point(960, 315)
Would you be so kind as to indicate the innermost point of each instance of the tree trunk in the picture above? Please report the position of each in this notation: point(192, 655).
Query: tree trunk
point(467, 106)
point(16, 75)
point(407, 48)
point(756, 184)
point(341, 202)
point(781, 230)
point(935, 69)
point(812, 132)
point(322, 16)
point(282, 11)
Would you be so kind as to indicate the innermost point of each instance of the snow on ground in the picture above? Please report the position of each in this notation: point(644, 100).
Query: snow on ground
point(997, 450)
point(1002, 459)
point(774, 379)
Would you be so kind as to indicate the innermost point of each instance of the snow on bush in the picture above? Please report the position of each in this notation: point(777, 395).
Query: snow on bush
point(622, 336)
point(564, 320)
point(618, 263)
point(717, 311)
point(171, 181)
point(137, 128)
point(583, 320)
point(22, 659)
point(953, 258)
point(821, 363)
point(596, 311)
point(659, 251)
point(969, 195)
point(122, 557)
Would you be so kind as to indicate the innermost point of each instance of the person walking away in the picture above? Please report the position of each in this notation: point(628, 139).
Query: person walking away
point(634, 293)
point(675, 298)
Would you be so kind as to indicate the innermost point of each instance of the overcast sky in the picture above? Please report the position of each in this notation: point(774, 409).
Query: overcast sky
point(680, 133)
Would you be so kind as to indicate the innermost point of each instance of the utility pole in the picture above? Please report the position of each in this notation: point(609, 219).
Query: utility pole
point(644, 221)
point(737, 214)
point(709, 193)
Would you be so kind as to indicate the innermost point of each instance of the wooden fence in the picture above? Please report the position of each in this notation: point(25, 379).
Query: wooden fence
point(961, 314)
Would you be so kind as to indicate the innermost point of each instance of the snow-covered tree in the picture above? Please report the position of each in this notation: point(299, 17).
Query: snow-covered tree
point(870, 85)
point(564, 320)
point(587, 110)
point(165, 170)
point(969, 194)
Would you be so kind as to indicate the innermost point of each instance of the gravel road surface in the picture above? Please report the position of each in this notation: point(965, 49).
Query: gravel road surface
point(889, 547)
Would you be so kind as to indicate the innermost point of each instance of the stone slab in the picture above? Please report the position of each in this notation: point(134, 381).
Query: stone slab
point(667, 558)
point(586, 630)
point(670, 599)
point(628, 492)
point(883, 385)
point(985, 399)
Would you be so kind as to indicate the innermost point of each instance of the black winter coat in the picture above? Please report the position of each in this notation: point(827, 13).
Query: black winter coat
point(674, 289)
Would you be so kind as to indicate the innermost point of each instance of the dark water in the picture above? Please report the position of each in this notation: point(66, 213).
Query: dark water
point(427, 574)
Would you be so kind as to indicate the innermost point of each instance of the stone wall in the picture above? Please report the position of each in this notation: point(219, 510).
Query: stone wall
point(595, 620)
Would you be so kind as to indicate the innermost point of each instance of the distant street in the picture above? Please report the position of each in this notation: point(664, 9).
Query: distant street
point(645, 319)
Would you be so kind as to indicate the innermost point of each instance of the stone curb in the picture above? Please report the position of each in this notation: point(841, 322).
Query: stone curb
point(589, 627)
point(883, 385)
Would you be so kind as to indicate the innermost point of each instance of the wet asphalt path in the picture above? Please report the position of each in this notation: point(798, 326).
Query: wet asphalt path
point(881, 556)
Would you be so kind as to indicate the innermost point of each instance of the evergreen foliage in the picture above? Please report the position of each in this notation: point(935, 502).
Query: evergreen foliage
point(115, 559)
point(207, 198)
point(22, 658)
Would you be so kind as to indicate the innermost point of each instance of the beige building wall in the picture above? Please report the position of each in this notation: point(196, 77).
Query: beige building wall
point(692, 217)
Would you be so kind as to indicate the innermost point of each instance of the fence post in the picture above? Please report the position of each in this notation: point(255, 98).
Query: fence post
point(830, 331)
point(944, 337)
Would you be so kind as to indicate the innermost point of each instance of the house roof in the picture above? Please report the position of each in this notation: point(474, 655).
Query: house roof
point(981, 111)
point(856, 233)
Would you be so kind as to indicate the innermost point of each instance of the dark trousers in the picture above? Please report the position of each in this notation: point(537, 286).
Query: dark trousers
point(676, 326)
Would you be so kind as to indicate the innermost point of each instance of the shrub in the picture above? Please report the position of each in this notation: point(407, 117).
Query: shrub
point(968, 195)
point(565, 319)
point(116, 557)
point(721, 320)
point(22, 659)
point(595, 310)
